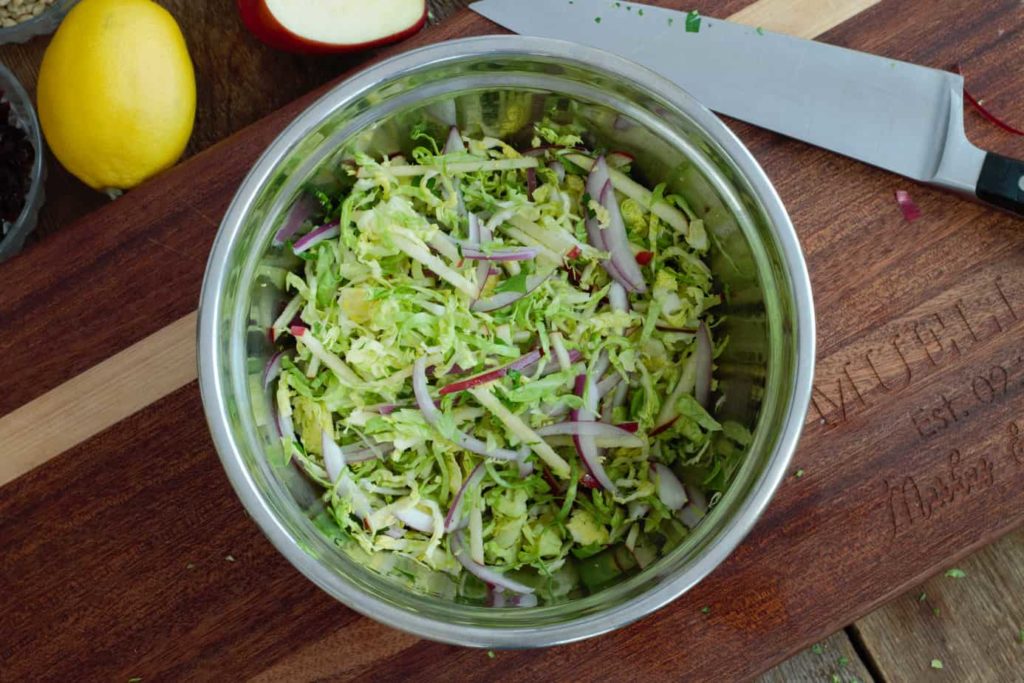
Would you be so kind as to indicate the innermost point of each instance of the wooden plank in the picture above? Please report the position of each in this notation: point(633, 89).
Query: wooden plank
point(98, 398)
point(973, 625)
point(803, 18)
point(834, 660)
point(123, 522)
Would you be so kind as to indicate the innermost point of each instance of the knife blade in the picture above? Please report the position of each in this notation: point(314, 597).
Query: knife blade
point(895, 115)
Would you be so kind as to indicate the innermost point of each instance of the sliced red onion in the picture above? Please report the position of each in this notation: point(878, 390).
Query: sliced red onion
point(502, 598)
point(618, 298)
point(431, 414)
point(360, 503)
point(658, 429)
point(523, 361)
point(285, 427)
point(495, 598)
point(670, 489)
point(334, 458)
point(630, 427)
point(574, 355)
point(453, 520)
point(273, 369)
point(617, 241)
point(618, 159)
point(416, 519)
point(595, 235)
point(525, 468)
point(302, 209)
point(531, 182)
point(910, 210)
point(559, 170)
point(592, 429)
point(315, 237)
point(607, 384)
point(488, 576)
point(585, 446)
point(454, 142)
point(513, 254)
point(638, 509)
point(704, 358)
point(696, 509)
point(503, 299)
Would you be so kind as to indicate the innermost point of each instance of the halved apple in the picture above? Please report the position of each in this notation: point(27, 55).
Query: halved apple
point(329, 26)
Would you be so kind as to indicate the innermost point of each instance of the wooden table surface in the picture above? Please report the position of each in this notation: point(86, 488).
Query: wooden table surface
point(125, 552)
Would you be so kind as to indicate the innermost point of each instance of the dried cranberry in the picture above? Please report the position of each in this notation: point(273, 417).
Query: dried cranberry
point(16, 157)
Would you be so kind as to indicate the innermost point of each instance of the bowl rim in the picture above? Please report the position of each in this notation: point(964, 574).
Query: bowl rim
point(44, 23)
point(209, 330)
point(24, 111)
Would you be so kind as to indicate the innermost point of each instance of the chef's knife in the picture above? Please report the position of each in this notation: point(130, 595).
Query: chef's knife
point(898, 116)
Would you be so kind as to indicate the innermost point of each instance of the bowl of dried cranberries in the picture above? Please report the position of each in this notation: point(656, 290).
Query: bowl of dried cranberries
point(22, 168)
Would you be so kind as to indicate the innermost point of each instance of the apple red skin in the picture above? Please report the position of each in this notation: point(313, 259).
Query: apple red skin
point(262, 24)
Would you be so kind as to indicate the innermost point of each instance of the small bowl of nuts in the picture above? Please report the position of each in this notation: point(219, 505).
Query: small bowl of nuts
point(22, 166)
point(21, 20)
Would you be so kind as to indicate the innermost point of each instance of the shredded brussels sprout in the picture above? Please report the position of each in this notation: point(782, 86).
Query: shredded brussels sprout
point(472, 301)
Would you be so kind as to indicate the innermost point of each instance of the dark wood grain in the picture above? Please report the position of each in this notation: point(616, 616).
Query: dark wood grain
point(105, 531)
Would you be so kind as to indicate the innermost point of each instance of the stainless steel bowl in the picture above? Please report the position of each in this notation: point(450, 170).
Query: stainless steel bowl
point(500, 85)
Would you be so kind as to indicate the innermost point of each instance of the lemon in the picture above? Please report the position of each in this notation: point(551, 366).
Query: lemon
point(117, 92)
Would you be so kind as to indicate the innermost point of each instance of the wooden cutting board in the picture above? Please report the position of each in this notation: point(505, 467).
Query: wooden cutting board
point(124, 553)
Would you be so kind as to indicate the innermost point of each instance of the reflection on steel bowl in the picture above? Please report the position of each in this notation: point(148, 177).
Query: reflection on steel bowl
point(500, 87)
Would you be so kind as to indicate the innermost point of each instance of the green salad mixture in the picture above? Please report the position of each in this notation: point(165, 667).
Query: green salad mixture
point(498, 364)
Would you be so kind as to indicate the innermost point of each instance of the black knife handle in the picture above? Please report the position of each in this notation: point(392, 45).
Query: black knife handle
point(1001, 183)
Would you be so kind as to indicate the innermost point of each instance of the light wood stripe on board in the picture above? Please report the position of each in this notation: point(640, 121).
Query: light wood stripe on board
point(101, 396)
point(165, 361)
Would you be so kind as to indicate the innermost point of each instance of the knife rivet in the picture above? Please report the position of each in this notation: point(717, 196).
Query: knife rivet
point(1020, 183)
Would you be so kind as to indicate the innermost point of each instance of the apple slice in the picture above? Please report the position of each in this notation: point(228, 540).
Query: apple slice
point(330, 26)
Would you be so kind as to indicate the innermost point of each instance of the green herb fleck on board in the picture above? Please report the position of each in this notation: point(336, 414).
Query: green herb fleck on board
point(956, 573)
point(693, 22)
point(490, 653)
point(760, 30)
point(229, 558)
point(597, 20)
point(836, 678)
point(1020, 636)
point(618, 4)
point(190, 566)
point(817, 648)
point(922, 597)
point(936, 663)
point(705, 610)
point(799, 474)
point(670, 21)
point(135, 679)
point(844, 662)
point(640, 12)
point(936, 611)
